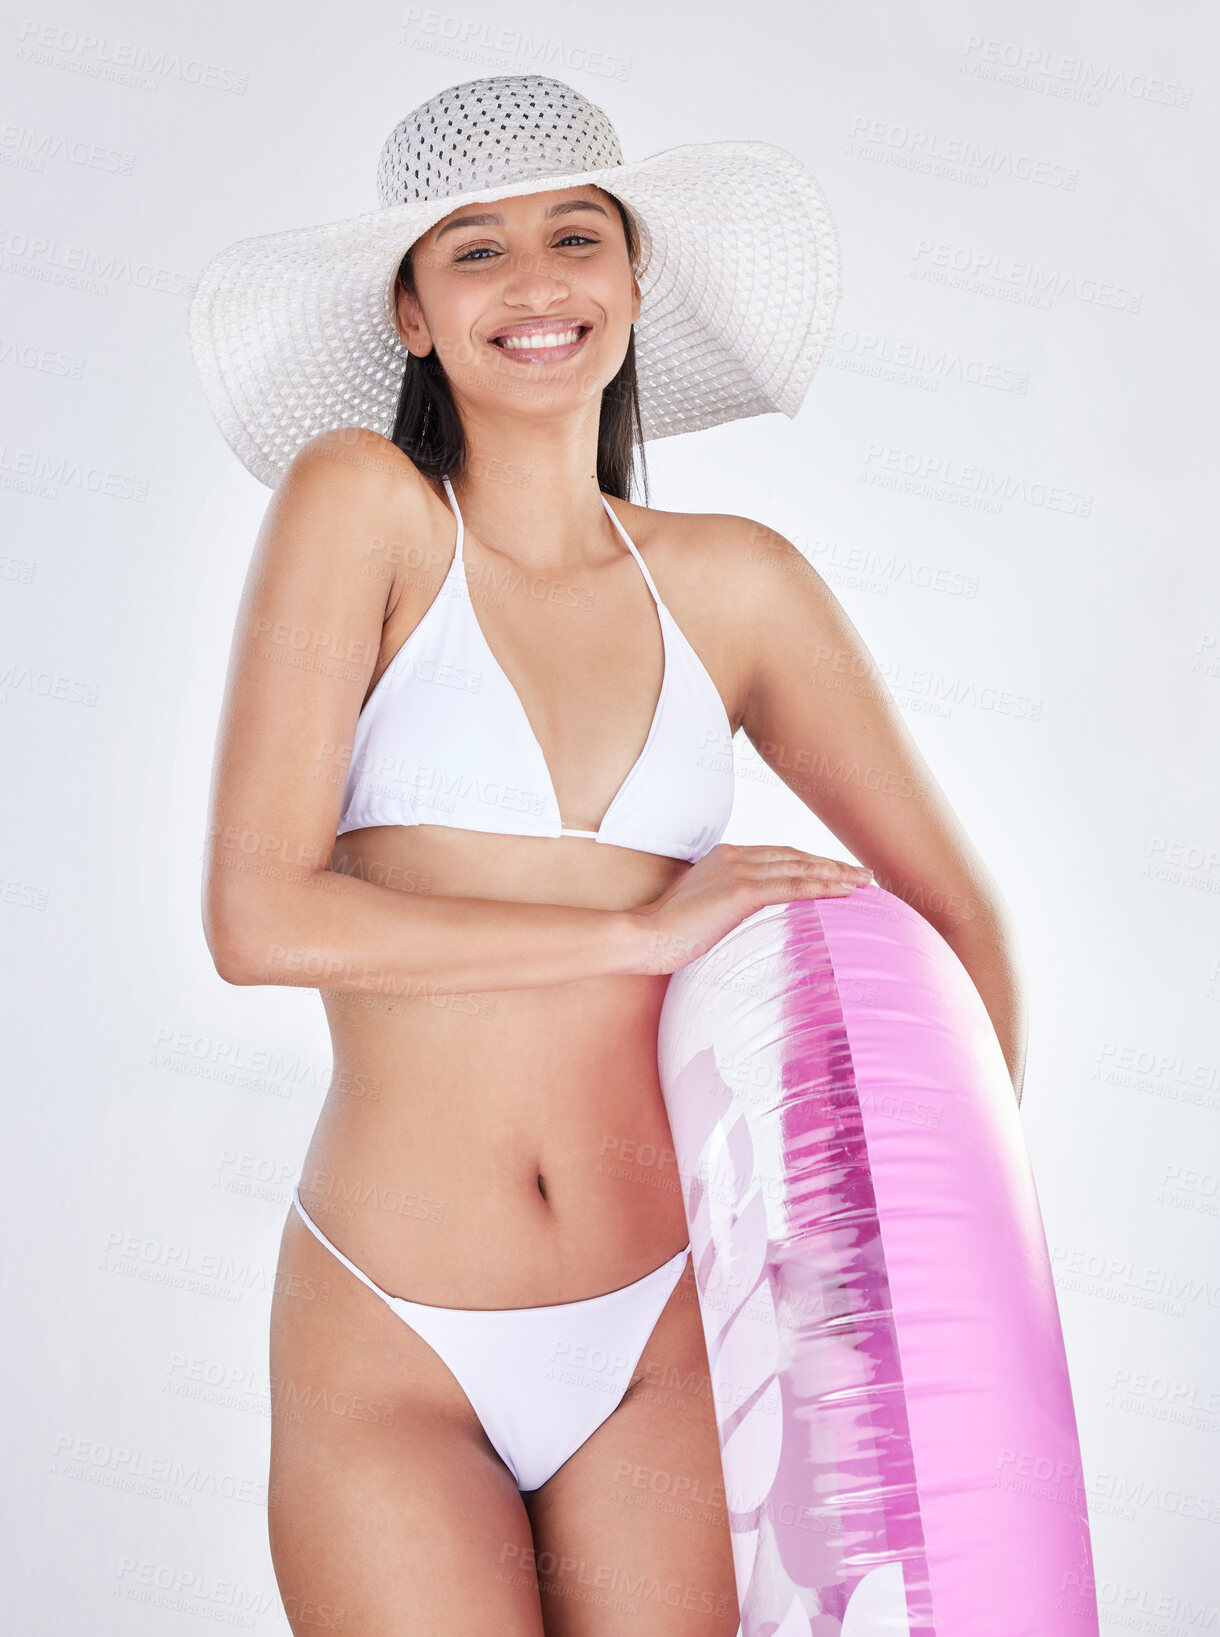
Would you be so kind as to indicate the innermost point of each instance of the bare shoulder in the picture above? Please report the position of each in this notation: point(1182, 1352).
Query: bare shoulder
point(356, 463)
point(741, 566)
point(728, 581)
point(350, 501)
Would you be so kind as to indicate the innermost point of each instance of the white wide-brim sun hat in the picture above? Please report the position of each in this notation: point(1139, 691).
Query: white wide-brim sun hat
point(293, 333)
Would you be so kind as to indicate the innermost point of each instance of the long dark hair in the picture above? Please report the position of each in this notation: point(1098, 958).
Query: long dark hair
point(427, 426)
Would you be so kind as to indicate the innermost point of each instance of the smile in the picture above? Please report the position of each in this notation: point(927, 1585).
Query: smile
point(542, 346)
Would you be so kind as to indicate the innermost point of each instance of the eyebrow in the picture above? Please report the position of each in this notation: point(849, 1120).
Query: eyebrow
point(492, 218)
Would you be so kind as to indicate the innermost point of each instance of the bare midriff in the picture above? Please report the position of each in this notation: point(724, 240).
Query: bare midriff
point(506, 1148)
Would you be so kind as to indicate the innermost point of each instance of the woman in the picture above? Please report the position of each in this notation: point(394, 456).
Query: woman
point(473, 771)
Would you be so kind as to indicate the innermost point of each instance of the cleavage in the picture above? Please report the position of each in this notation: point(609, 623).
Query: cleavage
point(589, 693)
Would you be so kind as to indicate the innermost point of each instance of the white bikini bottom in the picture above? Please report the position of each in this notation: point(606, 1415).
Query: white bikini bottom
point(540, 1379)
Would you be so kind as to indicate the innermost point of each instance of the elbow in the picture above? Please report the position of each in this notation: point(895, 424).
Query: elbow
point(232, 959)
point(230, 945)
point(972, 908)
point(234, 966)
point(254, 933)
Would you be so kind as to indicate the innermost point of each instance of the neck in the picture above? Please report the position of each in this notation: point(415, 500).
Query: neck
point(534, 499)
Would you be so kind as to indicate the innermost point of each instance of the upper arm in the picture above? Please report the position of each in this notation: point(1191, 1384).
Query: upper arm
point(820, 714)
point(305, 644)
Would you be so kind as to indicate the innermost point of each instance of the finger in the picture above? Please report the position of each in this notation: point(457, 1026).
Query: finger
point(786, 890)
point(826, 888)
point(796, 854)
point(808, 866)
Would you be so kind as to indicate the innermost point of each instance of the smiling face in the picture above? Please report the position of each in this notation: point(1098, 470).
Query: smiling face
point(528, 302)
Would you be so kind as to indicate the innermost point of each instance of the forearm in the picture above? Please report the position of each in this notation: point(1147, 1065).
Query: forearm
point(987, 947)
point(325, 930)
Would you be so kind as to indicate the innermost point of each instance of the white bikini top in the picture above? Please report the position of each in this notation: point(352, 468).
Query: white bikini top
point(444, 739)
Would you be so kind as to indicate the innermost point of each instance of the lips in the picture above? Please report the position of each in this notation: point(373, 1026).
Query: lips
point(540, 343)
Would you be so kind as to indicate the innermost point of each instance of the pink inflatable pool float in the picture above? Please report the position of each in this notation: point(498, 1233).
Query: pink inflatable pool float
point(896, 1422)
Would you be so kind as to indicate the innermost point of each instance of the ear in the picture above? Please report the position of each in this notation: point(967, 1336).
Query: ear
point(409, 322)
point(635, 297)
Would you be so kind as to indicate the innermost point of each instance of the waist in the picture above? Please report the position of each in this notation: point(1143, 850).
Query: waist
point(502, 1149)
point(489, 1162)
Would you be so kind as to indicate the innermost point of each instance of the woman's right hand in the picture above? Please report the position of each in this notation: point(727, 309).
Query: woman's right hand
point(727, 885)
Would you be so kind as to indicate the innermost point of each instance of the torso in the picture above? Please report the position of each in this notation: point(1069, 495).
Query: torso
point(511, 1149)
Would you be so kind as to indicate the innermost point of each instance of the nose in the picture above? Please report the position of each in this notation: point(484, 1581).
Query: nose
point(532, 280)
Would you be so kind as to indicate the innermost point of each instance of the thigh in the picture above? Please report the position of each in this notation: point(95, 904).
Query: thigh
point(389, 1512)
point(631, 1534)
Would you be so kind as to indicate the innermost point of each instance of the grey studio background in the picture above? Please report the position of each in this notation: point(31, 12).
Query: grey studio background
point(1004, 469)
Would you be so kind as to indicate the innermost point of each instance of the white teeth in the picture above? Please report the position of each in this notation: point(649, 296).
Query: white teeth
point(552, 338)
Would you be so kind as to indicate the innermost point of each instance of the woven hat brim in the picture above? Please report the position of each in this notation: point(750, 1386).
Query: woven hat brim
point(293, 333)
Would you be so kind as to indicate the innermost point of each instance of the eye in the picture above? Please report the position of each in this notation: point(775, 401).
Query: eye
point(478, 252)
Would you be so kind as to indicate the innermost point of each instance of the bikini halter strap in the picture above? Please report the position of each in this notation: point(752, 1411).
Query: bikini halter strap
point(630, 544)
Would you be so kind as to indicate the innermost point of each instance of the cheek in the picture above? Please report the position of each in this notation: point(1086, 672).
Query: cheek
point(446, 300)
point(613, 296)
point(454, 314)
